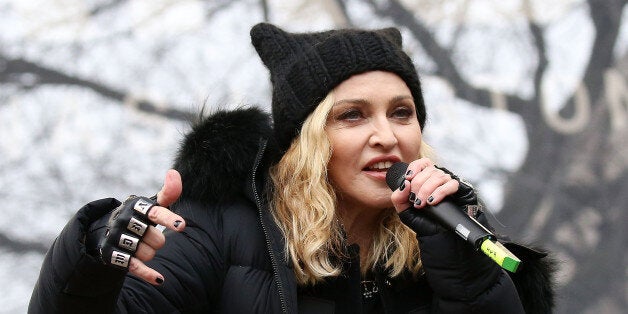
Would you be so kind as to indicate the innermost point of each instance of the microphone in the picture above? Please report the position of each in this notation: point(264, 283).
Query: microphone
point(453, 218)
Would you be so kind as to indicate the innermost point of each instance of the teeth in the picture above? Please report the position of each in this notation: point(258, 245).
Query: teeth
point(381, 165)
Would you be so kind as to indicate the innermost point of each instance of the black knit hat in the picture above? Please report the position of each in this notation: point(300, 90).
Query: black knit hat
point(305, 67)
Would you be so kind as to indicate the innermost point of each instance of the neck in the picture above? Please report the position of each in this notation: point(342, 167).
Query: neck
point(360, 225)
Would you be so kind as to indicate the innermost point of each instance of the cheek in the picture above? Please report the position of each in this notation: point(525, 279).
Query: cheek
point(337, 174)
point(411, 145)
point(344, 156)
point(345, 148)
point(338, 162)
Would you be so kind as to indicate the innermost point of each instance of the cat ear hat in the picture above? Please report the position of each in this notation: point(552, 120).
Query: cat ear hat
point(305, 67)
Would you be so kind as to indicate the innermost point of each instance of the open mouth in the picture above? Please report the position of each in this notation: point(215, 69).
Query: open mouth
point(379, 166)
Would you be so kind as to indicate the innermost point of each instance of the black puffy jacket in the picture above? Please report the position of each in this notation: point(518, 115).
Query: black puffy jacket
point(230, 258)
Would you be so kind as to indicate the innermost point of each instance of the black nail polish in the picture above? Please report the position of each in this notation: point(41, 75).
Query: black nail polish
point(409, 173)
point(159, 280)
point(417, 202)
point(430, 199)
point(177, 223)
point(411, 197)
point(403, 186)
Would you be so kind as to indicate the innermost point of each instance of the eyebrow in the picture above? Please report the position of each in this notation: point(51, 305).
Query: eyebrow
point(362, 101)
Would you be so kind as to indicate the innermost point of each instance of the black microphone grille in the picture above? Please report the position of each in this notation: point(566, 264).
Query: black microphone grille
point(396, 174)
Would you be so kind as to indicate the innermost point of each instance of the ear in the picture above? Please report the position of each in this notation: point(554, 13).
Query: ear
point(392, 34)
point(271, 43)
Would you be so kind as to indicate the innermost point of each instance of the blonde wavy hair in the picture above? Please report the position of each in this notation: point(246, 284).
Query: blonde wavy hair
point(303, 204)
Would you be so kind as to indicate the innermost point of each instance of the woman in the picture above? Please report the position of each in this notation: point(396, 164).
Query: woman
point(297, 217)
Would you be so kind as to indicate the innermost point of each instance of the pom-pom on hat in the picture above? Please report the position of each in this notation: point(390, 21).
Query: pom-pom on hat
point(305, 67)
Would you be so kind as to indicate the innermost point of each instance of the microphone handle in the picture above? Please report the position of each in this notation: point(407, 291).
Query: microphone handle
point(469, 229)
point(453, 218)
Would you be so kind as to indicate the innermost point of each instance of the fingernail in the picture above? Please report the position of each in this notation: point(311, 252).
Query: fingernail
point(403, 186)
point(177, 223)
point(411, 197)
point(430, 199)
point(409, 173)
point(417, 202)
point(159, 280)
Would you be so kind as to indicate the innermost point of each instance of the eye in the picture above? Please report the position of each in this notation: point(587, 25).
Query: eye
point(403, 112)
point(352, 114)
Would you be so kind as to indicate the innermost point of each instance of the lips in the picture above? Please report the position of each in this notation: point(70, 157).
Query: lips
point(381, 164)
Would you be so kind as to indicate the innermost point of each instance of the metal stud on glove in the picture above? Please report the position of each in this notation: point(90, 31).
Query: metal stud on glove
point(125, 229)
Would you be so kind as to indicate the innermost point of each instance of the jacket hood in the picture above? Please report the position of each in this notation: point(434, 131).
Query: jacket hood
point(217, 156)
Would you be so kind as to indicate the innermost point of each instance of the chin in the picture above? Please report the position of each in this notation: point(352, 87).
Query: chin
point(382, 202)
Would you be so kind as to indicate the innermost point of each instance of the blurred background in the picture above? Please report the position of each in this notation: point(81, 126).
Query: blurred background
point(526, 99)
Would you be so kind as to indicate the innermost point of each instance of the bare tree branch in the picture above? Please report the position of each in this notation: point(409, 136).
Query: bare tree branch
point(459, 28)
point(266, 10)
point(104, 7)
point(539, 43)
point(343, 10)
point(16, 70)
point(219, 7)
point(443, 58)
point(16, 246)
point(606, 17)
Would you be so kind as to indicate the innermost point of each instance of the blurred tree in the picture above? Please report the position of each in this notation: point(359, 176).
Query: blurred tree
point(571, 193)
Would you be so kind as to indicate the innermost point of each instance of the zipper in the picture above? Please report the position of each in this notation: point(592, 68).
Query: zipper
point(258, 202)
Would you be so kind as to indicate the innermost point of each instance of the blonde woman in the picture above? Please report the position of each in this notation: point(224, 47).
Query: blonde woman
point(297, 217)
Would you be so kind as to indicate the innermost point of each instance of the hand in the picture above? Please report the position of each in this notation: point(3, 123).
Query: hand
point(435, 185)
point(425, 184)
point(112, 249)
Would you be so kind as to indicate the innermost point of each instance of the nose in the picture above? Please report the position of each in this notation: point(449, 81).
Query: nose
point(383, 134)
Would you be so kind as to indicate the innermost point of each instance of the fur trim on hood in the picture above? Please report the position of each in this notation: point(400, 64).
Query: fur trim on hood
point(535, 279)
point(217, 156)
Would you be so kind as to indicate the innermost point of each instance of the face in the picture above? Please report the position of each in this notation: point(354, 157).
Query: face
point(372, 124)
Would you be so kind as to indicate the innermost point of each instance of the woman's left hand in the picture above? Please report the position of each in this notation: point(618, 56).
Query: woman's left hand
point(424, 184)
